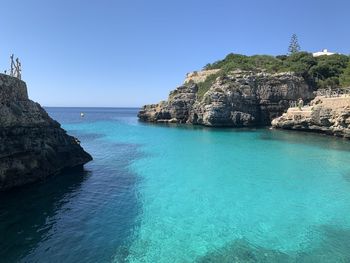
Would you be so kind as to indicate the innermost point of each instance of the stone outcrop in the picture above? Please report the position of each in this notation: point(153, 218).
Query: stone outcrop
point(32, 145)
point(199, 76)
point(176, 109)
point(324, 115)
point(239, 99)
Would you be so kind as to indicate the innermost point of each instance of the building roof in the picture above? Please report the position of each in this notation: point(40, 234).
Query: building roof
point(324, 52)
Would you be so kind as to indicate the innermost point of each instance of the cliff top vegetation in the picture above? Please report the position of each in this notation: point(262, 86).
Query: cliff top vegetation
point(320, 72)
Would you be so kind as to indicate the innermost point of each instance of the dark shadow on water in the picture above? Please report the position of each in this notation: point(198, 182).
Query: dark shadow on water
point(24, 211)
point(334, 247)
point(79, 216)
point(241, 251)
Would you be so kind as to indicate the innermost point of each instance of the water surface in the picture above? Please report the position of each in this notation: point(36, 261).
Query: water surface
point(158, 193)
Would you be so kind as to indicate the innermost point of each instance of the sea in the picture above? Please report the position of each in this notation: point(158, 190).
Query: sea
point(182, 193)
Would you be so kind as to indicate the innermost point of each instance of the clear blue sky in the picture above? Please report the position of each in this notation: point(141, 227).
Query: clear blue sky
point(132, 52)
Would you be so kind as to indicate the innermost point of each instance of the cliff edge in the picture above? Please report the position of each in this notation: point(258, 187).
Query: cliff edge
point(237, 99)
point(32, 145)
point(324, 115)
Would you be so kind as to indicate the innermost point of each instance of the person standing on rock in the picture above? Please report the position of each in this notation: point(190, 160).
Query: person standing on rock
point(12, 72)
point(18, 69)
point(300, 103)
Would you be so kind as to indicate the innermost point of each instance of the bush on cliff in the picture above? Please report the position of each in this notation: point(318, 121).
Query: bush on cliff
point(328, 70)
point(237, 61)
point(300, 63)
point(320, 72)
point(345, 77)
point(204, 86)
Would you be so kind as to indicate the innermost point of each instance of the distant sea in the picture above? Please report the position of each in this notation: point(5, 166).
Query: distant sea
point(177, 193)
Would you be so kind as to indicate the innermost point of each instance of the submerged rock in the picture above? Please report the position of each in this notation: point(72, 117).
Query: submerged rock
point(333, 246)
point(325, 115)
point(32, 145)
point(239, 99)
point(241, 251)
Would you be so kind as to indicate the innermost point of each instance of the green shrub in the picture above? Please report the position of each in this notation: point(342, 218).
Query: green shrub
point(204, 86)
point(345, 77)
point(317, 71)
point(236, 61)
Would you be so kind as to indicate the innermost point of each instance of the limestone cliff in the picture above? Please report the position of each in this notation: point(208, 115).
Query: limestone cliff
point(199, 76)
point(238, 99)
point(324, 115)
point(32, 145)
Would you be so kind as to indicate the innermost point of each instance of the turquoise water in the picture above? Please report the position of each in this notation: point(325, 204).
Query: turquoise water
point(184, 194)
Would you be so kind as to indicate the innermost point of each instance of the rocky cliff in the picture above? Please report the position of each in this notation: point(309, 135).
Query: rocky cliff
point(199, 76)
point(238, 99)
point(32, 145)
point(324, 115)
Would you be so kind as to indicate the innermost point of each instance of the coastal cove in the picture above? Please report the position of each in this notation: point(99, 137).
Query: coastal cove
point(155, 193)
point(175, 132)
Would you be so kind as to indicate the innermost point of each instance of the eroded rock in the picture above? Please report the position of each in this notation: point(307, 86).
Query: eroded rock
point(32, 145)
point(325, 115)
point(239, 99)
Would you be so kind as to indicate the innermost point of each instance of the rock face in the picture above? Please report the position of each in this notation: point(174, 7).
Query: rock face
point(239, 99)
point(176, 109)
point(325, 115)
point(32, 145)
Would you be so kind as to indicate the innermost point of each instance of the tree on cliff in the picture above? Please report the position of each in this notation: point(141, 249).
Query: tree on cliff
point(330, 71)
point(294, 46)
point(345, 77)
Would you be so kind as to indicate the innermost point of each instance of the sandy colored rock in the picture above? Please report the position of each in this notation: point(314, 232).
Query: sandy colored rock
point(325, 115)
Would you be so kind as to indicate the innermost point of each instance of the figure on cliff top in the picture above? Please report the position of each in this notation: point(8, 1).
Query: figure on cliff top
point(12, 70)
point(16, 68)
point(300, 103)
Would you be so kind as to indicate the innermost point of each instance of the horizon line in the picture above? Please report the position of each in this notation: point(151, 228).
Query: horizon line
point(120, 107)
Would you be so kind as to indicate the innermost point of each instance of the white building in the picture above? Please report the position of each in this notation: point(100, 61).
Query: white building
point(324, 52)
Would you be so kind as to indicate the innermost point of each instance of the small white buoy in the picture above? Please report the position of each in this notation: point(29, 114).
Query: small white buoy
point(82, 114)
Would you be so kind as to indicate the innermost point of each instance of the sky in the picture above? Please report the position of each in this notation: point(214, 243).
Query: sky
point(127, 53)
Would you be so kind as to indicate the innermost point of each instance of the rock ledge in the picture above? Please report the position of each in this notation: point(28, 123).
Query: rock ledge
point(324, 115)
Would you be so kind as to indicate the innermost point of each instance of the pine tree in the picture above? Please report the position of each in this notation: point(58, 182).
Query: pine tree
point(294, 46)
